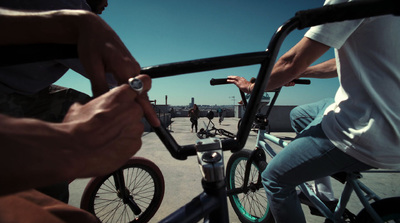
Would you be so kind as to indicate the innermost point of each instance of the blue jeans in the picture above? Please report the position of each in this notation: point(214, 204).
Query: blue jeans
point(308, 157)
point(307, 115)
point(303, 117)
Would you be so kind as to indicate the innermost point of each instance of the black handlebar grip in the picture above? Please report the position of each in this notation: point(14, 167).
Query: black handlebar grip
point(219, 81)
point(347, 11)
point(302, 81)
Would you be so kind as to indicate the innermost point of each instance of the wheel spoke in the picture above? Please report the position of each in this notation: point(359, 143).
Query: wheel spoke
point(142, 182)
point(250, 205)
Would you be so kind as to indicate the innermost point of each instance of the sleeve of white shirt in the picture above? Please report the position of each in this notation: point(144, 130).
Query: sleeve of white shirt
point(333, 34)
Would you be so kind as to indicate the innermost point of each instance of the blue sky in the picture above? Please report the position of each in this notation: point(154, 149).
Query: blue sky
point(165, 31)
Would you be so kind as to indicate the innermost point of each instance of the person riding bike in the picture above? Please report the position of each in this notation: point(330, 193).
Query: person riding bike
point(360, 130)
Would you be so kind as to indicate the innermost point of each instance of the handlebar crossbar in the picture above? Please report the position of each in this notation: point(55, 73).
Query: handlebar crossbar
point(206, 64)
point(347, 11)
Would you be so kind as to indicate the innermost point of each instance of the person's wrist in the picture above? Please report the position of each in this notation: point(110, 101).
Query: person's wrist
point(249, 88)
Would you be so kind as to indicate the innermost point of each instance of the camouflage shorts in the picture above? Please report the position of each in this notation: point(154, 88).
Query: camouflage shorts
point(50, 104)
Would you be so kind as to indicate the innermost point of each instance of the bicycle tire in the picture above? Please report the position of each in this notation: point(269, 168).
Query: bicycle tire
point(145, 183)
point(239, 123)
point(202, 134)
point(252, 206)
point(387, 209)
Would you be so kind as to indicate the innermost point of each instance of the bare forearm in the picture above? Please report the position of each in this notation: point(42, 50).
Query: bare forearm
point(60, 26)
point(325, 69)
point(99, 48)
point(295, 62)
point(32, 154)
point(94, 139)
point(284, 71)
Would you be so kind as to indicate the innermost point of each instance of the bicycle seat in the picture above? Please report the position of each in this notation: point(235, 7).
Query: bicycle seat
point(260, 119)
point(210, 115)
point(342, 176)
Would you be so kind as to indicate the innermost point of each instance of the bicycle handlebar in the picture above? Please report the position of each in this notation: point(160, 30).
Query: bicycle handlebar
point(220, 81)
point(302, 81)
point(347, 11)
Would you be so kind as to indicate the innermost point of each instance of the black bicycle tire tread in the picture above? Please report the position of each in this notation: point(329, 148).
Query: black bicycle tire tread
point(201, 134)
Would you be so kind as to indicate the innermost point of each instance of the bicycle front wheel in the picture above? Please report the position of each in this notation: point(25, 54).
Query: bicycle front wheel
point(250, 204)
point(144, 182)
point(387, 209)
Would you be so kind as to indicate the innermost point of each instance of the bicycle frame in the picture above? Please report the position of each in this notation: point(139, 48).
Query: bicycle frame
point(213, 201)
point(212, 131)
point(209, 128)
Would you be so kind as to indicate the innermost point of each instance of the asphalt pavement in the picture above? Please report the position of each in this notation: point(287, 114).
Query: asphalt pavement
point(183, 178)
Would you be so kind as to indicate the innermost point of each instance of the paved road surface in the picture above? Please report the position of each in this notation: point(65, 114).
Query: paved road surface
point(182, 178)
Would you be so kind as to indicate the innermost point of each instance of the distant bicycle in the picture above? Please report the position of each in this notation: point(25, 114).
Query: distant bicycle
point(211, 131)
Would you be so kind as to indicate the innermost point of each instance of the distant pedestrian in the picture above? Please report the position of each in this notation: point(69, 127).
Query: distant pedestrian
point(172, 112)
point(221, 116)
point(219, 111)
point(194, 116)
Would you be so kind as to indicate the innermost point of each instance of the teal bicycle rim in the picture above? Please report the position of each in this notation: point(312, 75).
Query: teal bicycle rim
point(245, 213)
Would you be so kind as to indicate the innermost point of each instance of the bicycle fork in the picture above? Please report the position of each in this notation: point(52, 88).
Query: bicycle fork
point(212, 203)
point(124, 193)
point(258, 157)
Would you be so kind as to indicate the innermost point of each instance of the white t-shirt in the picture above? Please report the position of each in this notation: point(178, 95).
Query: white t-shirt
point(364, 121)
